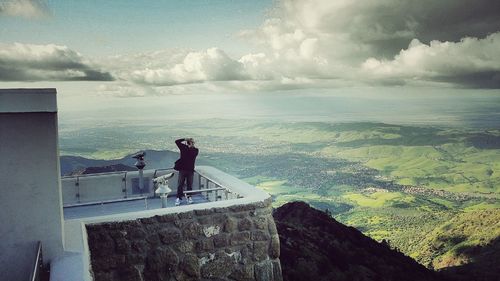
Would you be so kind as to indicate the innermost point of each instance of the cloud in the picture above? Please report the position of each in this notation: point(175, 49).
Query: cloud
point(124, 89)
point(323, 39)
point(378, 27)
point(28, 62)
point(209, 65)
point(471, 62)
point(30, 9)
point(302, 44)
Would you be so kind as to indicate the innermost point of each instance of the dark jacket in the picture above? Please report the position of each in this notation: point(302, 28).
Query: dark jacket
point(188, 157)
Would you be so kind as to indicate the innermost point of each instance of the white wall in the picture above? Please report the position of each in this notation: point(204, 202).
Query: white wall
point(30, 194)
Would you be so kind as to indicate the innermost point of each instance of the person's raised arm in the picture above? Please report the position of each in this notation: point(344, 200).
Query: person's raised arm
point(179, 143)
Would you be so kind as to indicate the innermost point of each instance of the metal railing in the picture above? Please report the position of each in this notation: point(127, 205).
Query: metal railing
point(106, 187)
point(111, 187)
point(36, 272)
point(212, 190)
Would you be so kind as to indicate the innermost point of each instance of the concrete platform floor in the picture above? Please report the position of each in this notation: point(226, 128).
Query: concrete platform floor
point(96, 210)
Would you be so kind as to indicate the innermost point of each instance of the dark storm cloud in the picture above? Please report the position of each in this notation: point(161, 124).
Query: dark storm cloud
point(27, 62)
point(388, 26)
point(482, 80)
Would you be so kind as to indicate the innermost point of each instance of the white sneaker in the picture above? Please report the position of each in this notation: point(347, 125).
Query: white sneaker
point(177, 202)
point(190, 200)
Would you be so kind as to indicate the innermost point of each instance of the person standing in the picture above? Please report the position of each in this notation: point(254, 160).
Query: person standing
point(185, 166)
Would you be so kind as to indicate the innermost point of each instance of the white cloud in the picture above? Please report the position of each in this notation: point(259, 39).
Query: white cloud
point(321, 43)
point(29, 62)
point(324, 43)
point(209, 65)
point(476, 62)
point(30, 9)
point(125, 90)
point(330, 39)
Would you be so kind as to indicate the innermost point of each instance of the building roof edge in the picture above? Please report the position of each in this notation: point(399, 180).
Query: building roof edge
point(24, 100)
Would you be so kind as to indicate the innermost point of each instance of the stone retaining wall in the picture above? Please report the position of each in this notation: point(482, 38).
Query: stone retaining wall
point(234, 243)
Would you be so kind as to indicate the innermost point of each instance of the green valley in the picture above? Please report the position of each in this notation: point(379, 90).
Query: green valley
point(431, 192)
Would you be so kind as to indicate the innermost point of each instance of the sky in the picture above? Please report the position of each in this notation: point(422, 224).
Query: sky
point(224, 55)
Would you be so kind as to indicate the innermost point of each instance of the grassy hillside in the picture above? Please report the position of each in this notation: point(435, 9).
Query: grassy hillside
point(456, 242)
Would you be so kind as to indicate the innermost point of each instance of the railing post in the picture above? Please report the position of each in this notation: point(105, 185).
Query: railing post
point(124, 190)
point(77, 183)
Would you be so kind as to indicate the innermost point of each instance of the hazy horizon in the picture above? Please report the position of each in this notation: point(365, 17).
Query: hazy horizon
point(479, 110)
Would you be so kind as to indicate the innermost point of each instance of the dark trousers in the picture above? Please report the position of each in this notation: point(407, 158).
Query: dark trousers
point(184, 176)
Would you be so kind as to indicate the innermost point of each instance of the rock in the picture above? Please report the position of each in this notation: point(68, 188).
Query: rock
point(272, 226)
point(260, 223)
point(171, 259)
point(260, 250)
point(244, 224)
point(203, 212)
point(190, 265)
point(274, 249)
point(220, 267)
point(122, 246)
point(259, 235)
point(221, 240)
point(278, 276)
point(156, 260)
point(264, 271)
point(243, 273)
point(167, 218)
point(136, 233)
point(205, 245)
point(185, 247)
point(230, 225)
point(170, 235)
point(186, 215)
point(140, 246)
point(240, 238)
point(191, 230)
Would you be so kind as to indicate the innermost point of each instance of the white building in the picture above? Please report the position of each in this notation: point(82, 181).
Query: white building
point(30, 193)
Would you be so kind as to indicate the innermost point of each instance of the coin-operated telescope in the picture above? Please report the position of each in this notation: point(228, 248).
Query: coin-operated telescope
point(161, 185)
point(140, 164)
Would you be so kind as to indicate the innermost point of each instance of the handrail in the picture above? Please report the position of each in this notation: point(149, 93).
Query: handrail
point(218, 184)
point(104, 201)
point(95, 174)
point(37, 264)
point(110, 173)
point(126, 172)
point(211, 180)
point(125, 176)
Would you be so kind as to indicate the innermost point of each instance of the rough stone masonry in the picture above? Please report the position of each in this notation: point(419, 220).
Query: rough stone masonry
point(234, 243)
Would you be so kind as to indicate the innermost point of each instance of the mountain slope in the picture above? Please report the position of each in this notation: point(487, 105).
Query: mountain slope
point(315, 246)
point(103, 169)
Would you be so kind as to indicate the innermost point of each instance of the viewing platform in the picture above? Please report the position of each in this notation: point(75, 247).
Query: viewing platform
point(102, 194)
point(227, 230)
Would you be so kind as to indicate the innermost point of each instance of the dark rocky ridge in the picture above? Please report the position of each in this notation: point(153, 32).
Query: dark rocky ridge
point(154, 160)
point(103, 169)
point(314, 246)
